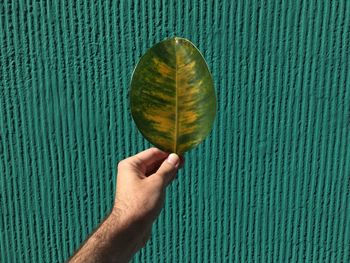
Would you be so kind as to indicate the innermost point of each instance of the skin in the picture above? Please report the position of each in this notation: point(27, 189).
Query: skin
point(141, 183)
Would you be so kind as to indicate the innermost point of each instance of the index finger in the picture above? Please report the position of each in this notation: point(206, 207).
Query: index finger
point(148, 158)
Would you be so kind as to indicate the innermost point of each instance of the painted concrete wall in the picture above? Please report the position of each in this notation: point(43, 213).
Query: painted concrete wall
point(270, 184)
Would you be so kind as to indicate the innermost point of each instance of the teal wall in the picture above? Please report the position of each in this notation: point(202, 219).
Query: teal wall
point(270, 184)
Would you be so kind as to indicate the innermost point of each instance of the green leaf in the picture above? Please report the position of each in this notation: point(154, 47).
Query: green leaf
point(172, 96)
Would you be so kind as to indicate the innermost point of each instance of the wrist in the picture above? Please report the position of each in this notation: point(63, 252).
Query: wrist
point(129, 218)
point(121, 236)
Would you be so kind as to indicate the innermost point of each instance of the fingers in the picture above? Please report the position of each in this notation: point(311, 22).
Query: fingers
point(145, 160)
point(167, 171)
point(151, 169)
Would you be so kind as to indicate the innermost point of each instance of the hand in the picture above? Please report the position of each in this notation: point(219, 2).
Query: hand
point(141, 183)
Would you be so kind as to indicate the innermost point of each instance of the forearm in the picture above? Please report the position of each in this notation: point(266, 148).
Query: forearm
point(113, 241)
point(138, 201)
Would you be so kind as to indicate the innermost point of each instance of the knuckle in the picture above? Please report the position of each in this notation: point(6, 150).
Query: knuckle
point(122, 164)
point(153, 149)
point(169, 168)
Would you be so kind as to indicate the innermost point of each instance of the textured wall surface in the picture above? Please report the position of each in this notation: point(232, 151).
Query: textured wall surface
point(270, 184)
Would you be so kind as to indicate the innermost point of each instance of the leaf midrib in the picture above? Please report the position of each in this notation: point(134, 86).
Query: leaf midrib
point(176, 102)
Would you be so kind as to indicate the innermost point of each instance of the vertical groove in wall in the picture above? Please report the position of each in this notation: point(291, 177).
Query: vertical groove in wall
point(270, 184)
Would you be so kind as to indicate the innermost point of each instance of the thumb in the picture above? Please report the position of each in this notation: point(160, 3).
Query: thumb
point(167, 171)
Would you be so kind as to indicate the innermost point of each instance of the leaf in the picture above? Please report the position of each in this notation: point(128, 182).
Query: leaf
point(172, 97)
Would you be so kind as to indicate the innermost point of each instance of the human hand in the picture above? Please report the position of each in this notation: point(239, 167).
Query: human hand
point(140, 193)
point(141, 183)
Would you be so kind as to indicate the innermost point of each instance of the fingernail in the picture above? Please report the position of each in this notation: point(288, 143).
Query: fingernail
point(173, 159)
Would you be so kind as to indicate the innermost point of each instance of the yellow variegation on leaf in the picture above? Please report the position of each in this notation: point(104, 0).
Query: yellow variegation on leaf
point(172, 96)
